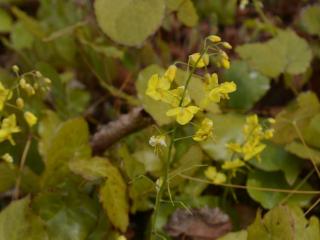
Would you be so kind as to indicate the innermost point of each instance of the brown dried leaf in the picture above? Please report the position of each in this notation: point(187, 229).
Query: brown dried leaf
point(199, 224)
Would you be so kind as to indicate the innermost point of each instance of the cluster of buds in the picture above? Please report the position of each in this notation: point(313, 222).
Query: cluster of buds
point(30, 83)
point(164, 88)
point(252, 146)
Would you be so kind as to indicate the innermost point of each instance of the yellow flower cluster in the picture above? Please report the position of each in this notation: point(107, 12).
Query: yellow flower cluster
point(30, 87)
point(254, 135)
point(166, 89)
point(252, 147)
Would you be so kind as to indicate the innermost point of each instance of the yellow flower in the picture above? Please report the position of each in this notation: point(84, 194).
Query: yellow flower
point(214, 38)
point(225, 63)
point(235, 147)
point(30, 118)
point(251, 150)
point(204, 131)
point(268, 133)
point(157, 86)
point(7, 158)
point(222, 91)
point(183, 114)
point(232, 164)
point(201, 61)
point(211, 81)
point(216, 177)
point(173, 97)
point(8, 127)
point(5, 94)
point(170, 74)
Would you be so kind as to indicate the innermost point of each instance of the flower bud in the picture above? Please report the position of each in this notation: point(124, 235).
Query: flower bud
point(30, 118)
point(214, 38)
point(20, 103)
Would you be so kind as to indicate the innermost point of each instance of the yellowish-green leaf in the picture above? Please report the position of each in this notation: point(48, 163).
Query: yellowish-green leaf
point(284, 223)
point(241, 235)
point(303, 151)
point(90, 169)
point(299, 113)
point(7, 177)
point(285, 53)
point(124, 21)
point(5, 21)
point(30, 23)
point(187, 13)
point(69, 141)
point(113, 197)
point(310, 19)
point(18, 222)
point(274, 180)
point(155, 108)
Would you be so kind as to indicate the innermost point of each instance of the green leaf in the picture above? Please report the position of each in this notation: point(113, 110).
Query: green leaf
point(188, 164)
point(124, 21)
point(251, 85)
point(47, 128)
point(303, 151)
point(173, 5)
point(156, 109)
point(227, 128)
point(5, 21)
point(132, 167)
point(70, 216)
point(7, 177)
point(299, 112)
point(187, 13)
point(114, 198)
point(150, 160)
point(139, 192)
point(91, 169)
point(78, 100)
point(285, 53)
point(20, 37)
point(18, 222)
point(30, 23)
point(310, 19)
point(274, 180)
point(311, 133)
point(70, 141)
point(241, 235)
point(285, 223)
point(274, 158)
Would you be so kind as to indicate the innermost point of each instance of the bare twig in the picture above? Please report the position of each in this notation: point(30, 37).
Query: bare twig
point(126, 124)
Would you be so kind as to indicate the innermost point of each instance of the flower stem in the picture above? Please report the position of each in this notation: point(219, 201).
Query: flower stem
point(164, 184)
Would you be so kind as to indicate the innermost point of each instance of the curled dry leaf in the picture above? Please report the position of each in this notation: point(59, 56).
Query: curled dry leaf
point(198, 224)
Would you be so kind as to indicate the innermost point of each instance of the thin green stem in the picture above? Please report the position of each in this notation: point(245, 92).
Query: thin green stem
point(22, 164)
